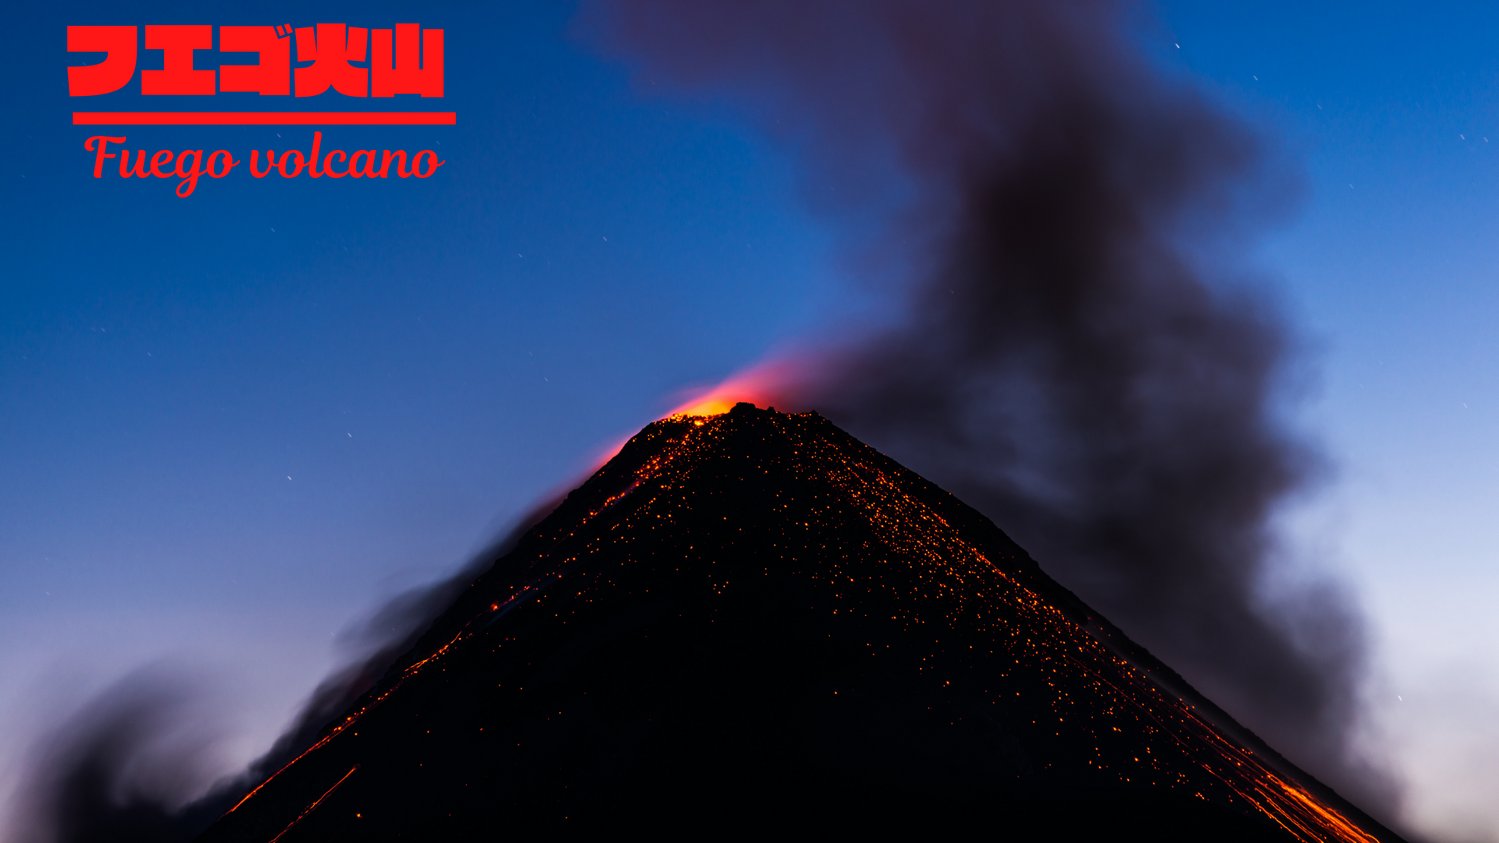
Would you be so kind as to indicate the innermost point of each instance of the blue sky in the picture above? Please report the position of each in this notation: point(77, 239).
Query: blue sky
point(232, 423)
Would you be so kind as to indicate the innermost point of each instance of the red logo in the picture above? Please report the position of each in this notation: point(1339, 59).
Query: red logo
point(350, 60)
point(333, 61)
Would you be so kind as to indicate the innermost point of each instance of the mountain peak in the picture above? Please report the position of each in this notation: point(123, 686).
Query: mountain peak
point(752, 617)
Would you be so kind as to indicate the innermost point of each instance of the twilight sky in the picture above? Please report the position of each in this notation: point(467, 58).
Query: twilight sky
point(231, 424)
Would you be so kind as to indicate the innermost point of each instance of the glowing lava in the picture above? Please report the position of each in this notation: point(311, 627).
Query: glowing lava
point(762, 384)
point(710, 406)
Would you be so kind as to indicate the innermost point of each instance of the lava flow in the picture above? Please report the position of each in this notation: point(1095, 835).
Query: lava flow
point(749, 618)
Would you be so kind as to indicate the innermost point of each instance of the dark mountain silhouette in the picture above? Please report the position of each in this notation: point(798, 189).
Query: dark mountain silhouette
point(753, 622)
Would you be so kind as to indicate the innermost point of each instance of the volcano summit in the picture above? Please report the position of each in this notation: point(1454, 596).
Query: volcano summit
point(750, 621)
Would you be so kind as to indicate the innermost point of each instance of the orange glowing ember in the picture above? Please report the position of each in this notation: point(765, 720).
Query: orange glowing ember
point(760, 385)
point(763, 384)
point(712, 406)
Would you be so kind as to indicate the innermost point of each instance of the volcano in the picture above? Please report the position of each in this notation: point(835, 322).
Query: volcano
point(751, 623)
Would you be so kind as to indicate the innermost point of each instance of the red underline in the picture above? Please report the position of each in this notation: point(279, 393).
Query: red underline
point(264, 118)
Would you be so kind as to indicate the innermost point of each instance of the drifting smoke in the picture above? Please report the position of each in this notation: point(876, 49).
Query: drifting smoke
point(1063, 359)
point(132, 764)
point(123, 767)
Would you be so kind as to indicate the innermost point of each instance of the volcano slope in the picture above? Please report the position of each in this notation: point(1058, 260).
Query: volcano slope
point(753, 622)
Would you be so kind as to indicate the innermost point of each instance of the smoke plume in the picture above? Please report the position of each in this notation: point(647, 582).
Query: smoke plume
point(125, 766)
point(1071, 348)
point(135, 762)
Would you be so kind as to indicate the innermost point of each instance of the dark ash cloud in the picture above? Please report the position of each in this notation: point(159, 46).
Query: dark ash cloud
point(124, 766)
point(136, 762)
point(1071, 347)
